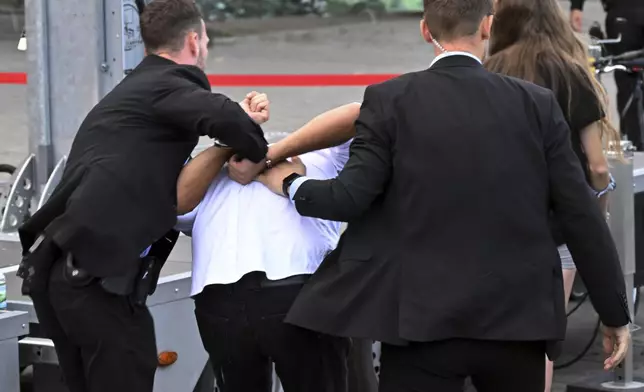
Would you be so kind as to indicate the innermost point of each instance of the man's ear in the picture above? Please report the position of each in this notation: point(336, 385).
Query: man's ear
point(193, 43)
point(486, 27)
point(424, 31)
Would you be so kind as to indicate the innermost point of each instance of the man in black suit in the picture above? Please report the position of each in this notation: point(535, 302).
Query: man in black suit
point(88, 263)
point(452, 174)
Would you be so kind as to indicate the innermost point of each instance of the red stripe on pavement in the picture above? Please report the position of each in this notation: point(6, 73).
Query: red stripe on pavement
point(297, 80)
point(228, 80)
point(13, 78)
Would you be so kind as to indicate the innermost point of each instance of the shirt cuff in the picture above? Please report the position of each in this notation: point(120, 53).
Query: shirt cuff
point(295, 185)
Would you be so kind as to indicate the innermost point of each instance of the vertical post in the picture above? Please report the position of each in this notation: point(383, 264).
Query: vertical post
point(123, 43)
point(38, 89)
point(77, 52)
point(622, 224)
point(76, 41)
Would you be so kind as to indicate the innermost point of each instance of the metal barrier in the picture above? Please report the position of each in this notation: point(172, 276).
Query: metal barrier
point(628, 177)
point(20, 195)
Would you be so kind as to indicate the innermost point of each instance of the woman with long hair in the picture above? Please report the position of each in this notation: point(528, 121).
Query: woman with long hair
point(532, 40)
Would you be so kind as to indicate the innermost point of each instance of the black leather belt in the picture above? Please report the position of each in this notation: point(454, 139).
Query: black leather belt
point(290, 281)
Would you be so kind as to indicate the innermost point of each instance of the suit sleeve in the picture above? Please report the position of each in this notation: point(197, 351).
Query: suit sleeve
point(583, 226)
point(195, 109)
point(364, 176)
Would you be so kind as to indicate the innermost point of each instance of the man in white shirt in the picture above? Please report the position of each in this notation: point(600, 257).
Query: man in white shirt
point(252, 252)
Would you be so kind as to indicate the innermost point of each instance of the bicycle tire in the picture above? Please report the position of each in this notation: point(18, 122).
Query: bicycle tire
point(6, 168)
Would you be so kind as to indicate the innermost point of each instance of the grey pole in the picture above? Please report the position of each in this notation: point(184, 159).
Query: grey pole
point(622, 225)
point(77, 52)
point(38, 88)
point(75, 43)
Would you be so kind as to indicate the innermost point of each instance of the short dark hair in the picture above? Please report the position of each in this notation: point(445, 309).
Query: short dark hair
point(453, 19)
point(165, 23)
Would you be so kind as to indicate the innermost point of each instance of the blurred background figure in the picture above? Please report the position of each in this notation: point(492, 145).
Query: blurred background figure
point(625, 19)
point(532, 40)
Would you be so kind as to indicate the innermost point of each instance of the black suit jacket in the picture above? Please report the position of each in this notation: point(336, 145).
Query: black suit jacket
point(118, 192)
point(447, 192)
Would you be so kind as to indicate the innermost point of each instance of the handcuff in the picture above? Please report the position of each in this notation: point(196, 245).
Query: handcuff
point(218, 144)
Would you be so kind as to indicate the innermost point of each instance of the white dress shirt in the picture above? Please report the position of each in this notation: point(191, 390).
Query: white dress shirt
point(453, 53)
point(239, 229)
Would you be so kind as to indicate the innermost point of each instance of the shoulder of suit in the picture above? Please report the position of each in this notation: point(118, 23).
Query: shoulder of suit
point(189, 73)
point(397, 84)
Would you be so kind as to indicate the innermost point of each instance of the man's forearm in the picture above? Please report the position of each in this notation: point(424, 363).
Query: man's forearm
point(196, 177)
point(577, 4)
point(191, 108)
point(329, 129)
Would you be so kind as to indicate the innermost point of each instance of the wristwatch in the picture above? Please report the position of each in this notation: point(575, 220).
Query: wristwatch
point(609, 188)
point(286, 183)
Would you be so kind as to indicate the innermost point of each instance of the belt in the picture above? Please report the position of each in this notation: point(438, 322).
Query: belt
point(290, 281)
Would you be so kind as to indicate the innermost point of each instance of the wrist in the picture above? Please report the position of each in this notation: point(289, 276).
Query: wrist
point(220, 152)
point(609, 188)
point(288, 181)
point(273, 153)
point(277, 152)
point(272, 156)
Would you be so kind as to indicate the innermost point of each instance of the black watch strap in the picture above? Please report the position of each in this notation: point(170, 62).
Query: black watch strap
point(286, 184)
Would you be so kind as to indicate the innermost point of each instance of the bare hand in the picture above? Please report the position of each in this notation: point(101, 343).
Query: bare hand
point(615, 342)
point(256, 105)
point(576, 18)
point(244, 171)
point(274, 178)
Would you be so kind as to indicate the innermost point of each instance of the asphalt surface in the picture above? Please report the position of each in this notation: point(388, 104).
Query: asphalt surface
point(391, 46)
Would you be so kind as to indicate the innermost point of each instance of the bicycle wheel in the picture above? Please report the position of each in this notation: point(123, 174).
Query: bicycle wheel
point(8, 169)
point(5, 173)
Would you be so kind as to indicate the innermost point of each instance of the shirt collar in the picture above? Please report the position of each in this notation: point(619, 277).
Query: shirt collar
point(454, 53)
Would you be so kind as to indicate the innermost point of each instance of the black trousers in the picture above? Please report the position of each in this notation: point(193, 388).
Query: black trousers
point(444, 366)
point(242, 329)
point(103, 342)
point(362, 375)
point(630, 24)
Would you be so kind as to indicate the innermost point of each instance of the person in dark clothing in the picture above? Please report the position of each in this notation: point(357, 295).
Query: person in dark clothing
point(624, 18)
point(556, 59)
point(87, 250)
point(459, 192)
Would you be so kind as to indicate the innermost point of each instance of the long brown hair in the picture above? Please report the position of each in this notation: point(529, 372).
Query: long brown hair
point(532, 40)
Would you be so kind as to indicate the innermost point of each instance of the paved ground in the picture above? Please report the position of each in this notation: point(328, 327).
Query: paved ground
point(387, 47)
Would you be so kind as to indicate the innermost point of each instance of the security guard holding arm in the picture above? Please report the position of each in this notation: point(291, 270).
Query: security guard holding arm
point(624, 18)
point(87, 261)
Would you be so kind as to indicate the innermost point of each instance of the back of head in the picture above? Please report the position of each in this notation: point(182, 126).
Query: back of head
point(452, 20)
point(165, 25)
point(533, 40)
point(539, 26)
